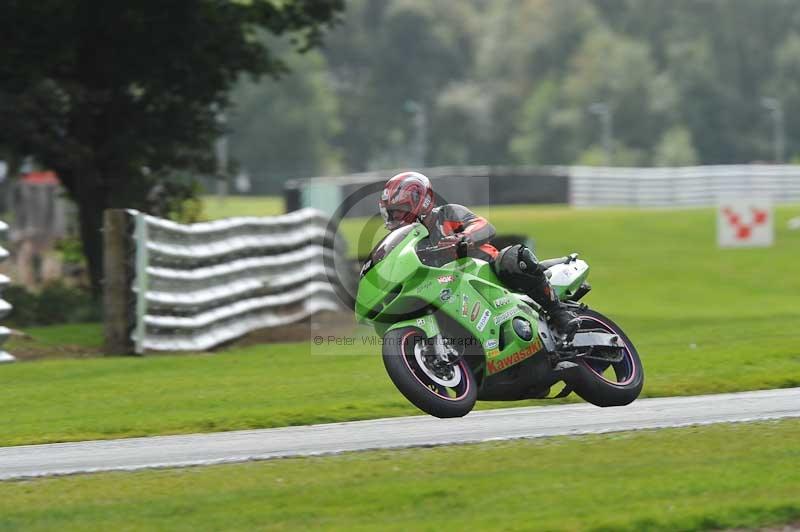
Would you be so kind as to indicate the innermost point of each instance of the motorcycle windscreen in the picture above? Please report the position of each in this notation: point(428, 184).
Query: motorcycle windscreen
point(385, 246)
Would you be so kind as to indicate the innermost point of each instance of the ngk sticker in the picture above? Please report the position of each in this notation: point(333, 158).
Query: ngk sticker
point(501, 301)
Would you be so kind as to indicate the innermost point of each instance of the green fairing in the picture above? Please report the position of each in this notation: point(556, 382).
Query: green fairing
point(400, 291)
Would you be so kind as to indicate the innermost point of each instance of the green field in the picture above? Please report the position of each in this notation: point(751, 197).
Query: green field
point(700, 478)
point(215, 207)
point(54, 341)
point(705, 320)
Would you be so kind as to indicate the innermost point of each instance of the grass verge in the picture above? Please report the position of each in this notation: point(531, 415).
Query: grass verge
point(215, 207)
point(699, 478)
point(54, 341)
point(705, 320)
point(285, 384)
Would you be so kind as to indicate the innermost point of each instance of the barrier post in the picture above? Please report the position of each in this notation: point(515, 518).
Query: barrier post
point(118, 304)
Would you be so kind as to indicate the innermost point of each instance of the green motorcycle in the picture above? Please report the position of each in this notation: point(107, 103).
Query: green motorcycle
point(453, 334)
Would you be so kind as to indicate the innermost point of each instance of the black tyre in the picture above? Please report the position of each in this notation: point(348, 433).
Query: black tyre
point(449, 394)
point(603, 383)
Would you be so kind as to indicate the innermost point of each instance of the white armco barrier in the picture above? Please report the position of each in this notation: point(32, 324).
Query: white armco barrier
point(197, 286)
point(681, 186)
point(5, 307)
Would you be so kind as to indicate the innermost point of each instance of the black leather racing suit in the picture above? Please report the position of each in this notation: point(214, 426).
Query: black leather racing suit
point(450, 222)
point(516, 266)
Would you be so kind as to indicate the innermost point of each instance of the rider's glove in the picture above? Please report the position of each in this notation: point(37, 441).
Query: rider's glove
point(454, 240)
point(457, 244)
point(447, 241)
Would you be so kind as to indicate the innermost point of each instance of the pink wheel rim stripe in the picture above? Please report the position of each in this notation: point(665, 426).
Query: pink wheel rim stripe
point(628, 351)
point(461, 365)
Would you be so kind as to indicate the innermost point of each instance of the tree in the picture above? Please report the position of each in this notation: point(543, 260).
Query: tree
point(387, 59)
point(283, 129)
point(784, 86)
point(524, 55)
point(556, 127)
point(675, 149)
point(619, 71)
point(116, 96)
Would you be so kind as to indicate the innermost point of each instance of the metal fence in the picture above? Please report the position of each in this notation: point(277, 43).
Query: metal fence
point(682, 186)
point(580, 186)
point(467, 185)
point(197, 286)
point(5, 306)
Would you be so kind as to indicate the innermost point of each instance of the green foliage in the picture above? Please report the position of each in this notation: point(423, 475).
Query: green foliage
point(472, 82)
point(722, 477)
point(539, 125)
point(116, 98)
point(385, 56)
point(56, 303)
point(188, 211)
point(282, 130)
point(510, 81)
point(675, 149)
point(25, 305)
point(71, 251)
point(177, 198)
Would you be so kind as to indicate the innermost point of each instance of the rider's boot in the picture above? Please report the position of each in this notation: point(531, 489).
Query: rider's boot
point(565, 322)
point(518, 267)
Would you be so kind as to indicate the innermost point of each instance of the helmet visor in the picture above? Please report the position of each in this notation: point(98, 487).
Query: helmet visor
point(394, 216)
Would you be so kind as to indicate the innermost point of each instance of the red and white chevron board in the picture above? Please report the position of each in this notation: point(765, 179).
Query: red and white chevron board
point(745, 222)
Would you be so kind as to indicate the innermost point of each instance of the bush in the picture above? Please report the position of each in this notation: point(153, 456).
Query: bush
point(56, 303)
point(25, 304)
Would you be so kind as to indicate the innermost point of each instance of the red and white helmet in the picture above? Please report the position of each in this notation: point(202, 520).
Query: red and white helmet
point(408, 196)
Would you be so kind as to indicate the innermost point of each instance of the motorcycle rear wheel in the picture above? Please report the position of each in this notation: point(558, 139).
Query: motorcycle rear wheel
point(442, 396)
point(603, 383)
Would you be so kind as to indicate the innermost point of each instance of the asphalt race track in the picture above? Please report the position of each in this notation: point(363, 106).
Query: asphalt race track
point(503, 424)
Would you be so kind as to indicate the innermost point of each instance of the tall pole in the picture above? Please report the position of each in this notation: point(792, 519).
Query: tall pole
point(603, 111)
point(775, 107)
point(221, 155)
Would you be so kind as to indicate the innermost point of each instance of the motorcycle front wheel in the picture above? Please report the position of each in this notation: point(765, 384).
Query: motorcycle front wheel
point(439, 391)
point(603, 383)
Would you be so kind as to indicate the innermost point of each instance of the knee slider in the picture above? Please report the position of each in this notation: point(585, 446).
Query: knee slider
point(514, 262)
point(527, 262)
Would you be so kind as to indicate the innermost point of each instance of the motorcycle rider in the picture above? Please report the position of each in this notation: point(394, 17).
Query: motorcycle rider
point(408, 197)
